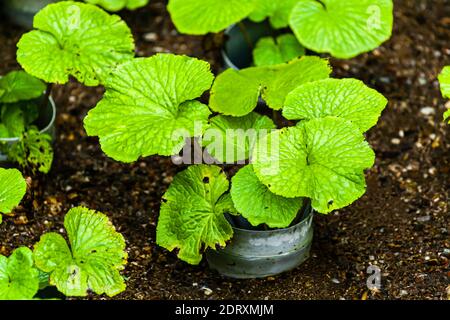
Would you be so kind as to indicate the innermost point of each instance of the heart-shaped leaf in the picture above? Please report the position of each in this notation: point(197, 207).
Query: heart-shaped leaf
point(258, 204)
point(268, 52)
point(231, 139)
point(75, 39)
point(322, 159)
point(203, 16)
point(19, 85)
point(342, 28)
point(236, 93)
point(278, 12)
point(192, 212)
point(350, 99)
point(19, 280)
point(93, 260)
point(148, 108)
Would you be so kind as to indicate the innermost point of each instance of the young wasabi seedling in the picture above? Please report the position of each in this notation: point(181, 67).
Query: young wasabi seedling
point(12, 190)
point(20, 100)
point(444, 80)
point(117, 5)
point(92, 260)
point(74, 39)
point(344, 29)
point(270, 51)
point(19, 279)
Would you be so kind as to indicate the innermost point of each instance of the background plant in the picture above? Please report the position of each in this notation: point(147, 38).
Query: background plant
point(92, 262)
point(444, 79)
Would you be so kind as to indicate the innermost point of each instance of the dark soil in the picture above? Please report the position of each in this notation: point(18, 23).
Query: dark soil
point(401, 225)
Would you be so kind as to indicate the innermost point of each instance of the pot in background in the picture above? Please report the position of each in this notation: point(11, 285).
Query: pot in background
point(21, 12)
point(45, 122)
point(259, 254)
point(237, 53)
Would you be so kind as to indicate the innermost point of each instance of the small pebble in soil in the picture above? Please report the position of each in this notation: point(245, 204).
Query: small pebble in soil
point(207, 291)
point(424, 219)
point(334, 280)
point(427, 111)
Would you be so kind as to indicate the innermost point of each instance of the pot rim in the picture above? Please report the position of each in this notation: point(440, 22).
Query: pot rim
point(44, 130)
point(308, 215)
point(224, 52)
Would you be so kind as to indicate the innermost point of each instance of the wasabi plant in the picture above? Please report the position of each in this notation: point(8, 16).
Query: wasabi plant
point(21, 141)
point(444, 80)
point(91, 260)
point(270, 51)
point(74, 39)
point(12, 189)
point(343, 29)
point(117, 5)
point(150, 108)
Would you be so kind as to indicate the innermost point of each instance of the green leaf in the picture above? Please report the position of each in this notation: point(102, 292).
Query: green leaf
point(342, 28)
point(192, 213)
point(444, 80)
point(148, 109)
point(236, 93)
point(230, 139)
point(278, 12)
point(322, 159)
point(92, 262)
point(13, 118)
point(4, 133)
point(12, 189)
point(34, 151)
point(19, 85)
point(116, 5)
point(350, 99)
point(136, 4)
point(268, 52)
point(200, 17)
point(19, 280)
point(75, 39)
point(258, 205)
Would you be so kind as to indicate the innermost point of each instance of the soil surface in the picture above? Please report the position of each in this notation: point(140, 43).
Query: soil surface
point(401, 225)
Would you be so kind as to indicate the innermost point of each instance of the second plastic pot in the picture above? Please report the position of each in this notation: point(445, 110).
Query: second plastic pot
point(237, 52)
point(259, 254)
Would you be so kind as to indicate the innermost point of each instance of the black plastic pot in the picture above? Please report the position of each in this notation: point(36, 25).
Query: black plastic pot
point(259, 254)
point(21, 12)
point(45, 122)
point(237, 52)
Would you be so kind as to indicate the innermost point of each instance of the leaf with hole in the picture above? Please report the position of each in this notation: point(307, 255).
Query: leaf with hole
point(92, 260)
point(192, 213)
point(321, 159)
